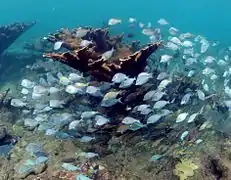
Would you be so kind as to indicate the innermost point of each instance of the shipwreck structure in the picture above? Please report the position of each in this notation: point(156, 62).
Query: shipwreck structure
point(9, 33)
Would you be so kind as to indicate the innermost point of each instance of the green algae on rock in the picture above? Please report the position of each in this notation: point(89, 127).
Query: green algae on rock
point(185, 169)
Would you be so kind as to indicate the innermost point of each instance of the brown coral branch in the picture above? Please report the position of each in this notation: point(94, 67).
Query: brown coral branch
point(91, 60)
point(85, 60)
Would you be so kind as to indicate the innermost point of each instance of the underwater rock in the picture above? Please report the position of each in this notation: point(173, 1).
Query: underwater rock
point(30, 123)
point(70, 167)
point(82, 177)
point(5, 149)
point(30, 166)
point(9, 33)
point(33, 149)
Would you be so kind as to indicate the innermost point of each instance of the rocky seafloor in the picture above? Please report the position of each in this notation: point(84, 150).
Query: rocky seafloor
point(54, 126)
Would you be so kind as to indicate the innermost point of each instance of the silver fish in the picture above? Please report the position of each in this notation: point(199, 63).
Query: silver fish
point(101, 120)
point(94, 91)
point(153, 119)
point(160, 104)
point(158, 95)
point(148, 96)
point(127, 83)
point(143, 78)
point(85, 43)
point(88, 114)
point(108, 54)
point(162, 76)
point(181, 117)
point(185, 98)
point(119, 78)
point(192, 117)
point(130, 120)
point(58, 45)
point(201, 95)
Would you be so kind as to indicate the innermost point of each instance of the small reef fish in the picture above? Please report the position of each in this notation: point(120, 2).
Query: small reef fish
point(175, 40)
point(149, 25)
point(141, 25)
point(173, 31)
point(181, 117)
point(206, 87)
point(85, 43)
point(183, 135)
point(131, 20)
point(209, 60)
point(221, 62)
point(171, 46)
point(201, 95)
point(191, 73)
point(143, 78)
point(25, 91)
point(158, 95)
point(185, 98)
point(88, 115)
point(53, 90)
point(192, 117)
point(119, 78)
point(58, 45)
point(71, 89)
point(160, 104)
point(27, 84)
point(164, 83)
point(130, 120)
point(153, 119)
point(148, 32)
point(64, 81)
point(162, 22)
point(81, 32)
point(187, 44)
point(127, 83)
point(114, 21)
point(109, 99)
point(165, 58)
point(142, 107)
point(54, 103)
point(148, 96)
point(108, 54)
point(94, 91)
point(74, 77)
point(101, 120)
point(162, 76)
point(204, 46)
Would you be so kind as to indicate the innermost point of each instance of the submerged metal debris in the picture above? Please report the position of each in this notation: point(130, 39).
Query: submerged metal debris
point(9, 33)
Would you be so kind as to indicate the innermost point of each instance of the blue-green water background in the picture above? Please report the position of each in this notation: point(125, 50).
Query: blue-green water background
point(210, 18)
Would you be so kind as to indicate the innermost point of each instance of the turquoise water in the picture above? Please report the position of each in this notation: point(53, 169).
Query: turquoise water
point(209, 18)
point(37, 85)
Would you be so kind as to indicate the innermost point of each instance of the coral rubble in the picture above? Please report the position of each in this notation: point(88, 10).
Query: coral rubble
point(90, 59)
point(9, 33)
